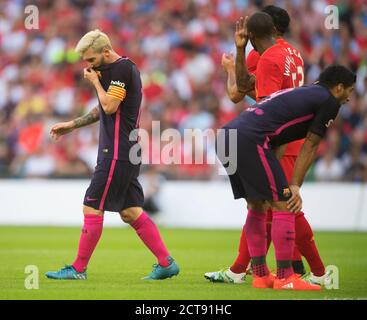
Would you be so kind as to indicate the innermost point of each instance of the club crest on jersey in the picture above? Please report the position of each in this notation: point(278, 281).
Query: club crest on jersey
point(117, 84)
point(286, 192)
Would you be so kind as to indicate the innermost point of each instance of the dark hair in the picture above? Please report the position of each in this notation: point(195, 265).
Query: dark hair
point(261, 25)
point(336, 74)
point(280, 18)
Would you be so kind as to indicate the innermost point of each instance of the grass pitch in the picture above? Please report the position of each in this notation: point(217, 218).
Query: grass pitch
point(121, 260)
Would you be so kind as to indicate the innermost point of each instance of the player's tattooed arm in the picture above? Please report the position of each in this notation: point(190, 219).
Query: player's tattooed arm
point(244, 80)
point(61, 128)
point(87, 119)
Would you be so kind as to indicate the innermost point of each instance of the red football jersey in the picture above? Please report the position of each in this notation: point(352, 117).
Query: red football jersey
point(253, 58)
point(252, 61)
point(274, 72)
point(279, 67)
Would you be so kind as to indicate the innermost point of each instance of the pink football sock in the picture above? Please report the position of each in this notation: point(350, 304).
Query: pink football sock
point(283, 235)
point(149, 234)
point(257, 241)
point(91, 232)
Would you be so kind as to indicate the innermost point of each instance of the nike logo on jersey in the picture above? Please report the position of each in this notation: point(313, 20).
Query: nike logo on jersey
point(91, 199)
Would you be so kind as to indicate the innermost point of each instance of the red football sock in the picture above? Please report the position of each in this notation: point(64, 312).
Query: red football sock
point(307, 246)
point(283, 235)
point(296, 254)
point(149, 234)
point(297, 263)
point(243, 258)
point(91, 232)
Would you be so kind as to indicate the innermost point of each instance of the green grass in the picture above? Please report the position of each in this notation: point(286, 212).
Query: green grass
point(121, 260)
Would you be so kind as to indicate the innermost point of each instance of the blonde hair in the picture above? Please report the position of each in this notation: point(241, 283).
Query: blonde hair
point(96, 39)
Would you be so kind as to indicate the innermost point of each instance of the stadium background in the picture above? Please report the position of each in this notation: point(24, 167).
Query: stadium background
point(177, 46)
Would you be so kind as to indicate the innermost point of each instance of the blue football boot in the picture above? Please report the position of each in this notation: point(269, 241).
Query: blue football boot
point(67, 273)
point(160, 273)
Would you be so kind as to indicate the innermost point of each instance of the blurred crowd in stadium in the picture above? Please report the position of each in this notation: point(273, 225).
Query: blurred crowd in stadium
point(178, 46)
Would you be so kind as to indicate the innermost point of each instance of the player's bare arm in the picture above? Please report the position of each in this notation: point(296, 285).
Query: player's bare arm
point(228, 65)
point(244, 80)
point(62, 128)
point(109, 104)
point(304, 160)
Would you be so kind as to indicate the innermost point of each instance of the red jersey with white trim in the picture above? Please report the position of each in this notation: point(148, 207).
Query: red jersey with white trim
point(279, 67)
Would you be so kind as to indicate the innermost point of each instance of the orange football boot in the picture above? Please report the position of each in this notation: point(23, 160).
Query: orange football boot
point(263, 282)
point(294, 282)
